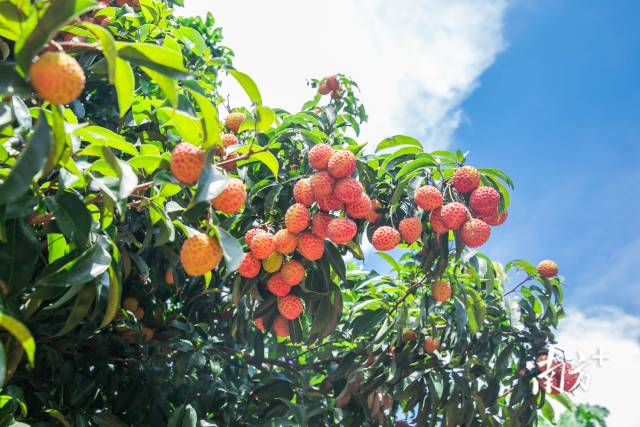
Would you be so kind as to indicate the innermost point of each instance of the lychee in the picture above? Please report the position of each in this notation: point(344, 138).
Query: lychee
point(494, 219)
point(322, 184)
point(428, 197)
point(290, 306)
point(453, 215)
point(232, 198)
point(435, 219)
point(475, 232)
point(292, 272)
point(430, 345)
point(262, 245)
point(440, 291)
point(323, 89)
point(342, 163)
point(329, 203)
point(249, 267)
point(286, 242)
point(410, 229)
point(228, 139)
point(409, 335)
point(547, 268)
point(466, 179)
point(484, 200)
point(319, 223)
point(385, 238)
point(169, 277)
point(233, 121)
point(332, 83)
point(277, 286)
point(348, 190)
point(303, 193)
point(57, 77)
point(272, 263)
point(228, 162)
point(249, 235)
point(187, 162)
point(361, 208)
point(297, 218)
point(341, 230)
point(200, 254)
point(310, 246)
point(259, 322)
point(280, 326)
point(130, 304)
point(319, 156)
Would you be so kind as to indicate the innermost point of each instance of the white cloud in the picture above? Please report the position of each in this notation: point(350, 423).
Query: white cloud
point(415, 60)
point(613, 384)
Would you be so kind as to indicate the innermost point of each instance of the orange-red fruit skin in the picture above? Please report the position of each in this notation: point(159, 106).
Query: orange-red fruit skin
point(286, 242)
point(319, 224)
point(292, 272)
point(232, 198)
point(410, 229)
point(466, 179)
point(547, 268)
point(229, 165)
point(435, 219)
point(280, 326)
point(259, 324)
point(428, 197)
point(494, 219)
point(430, 345)
point(385, 238)
point(57, 77)
point(303, 193)
point(249, 267)
point(319, 156)
point(200, 254)
point(249, 235)
point(341, 230)
point(440, 291)
point(484, 200)
point(187, 162)
point(233, 121)
point(348, 190)
point(342, 163)
point(475, 232)
point(322, 183)
point(262, 245)
point(277, 286)
point(453, 215)
point(329, 203)
point(361, 208)
point(290, 307)
point(297, 218)
point(310, 246)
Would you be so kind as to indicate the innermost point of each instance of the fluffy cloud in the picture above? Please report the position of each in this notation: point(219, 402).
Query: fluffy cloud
point(415, 61)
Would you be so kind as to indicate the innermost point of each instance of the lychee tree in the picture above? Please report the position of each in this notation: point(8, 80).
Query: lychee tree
point(170, 259)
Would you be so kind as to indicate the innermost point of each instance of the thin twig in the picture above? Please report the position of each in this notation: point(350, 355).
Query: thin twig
point(518, 285)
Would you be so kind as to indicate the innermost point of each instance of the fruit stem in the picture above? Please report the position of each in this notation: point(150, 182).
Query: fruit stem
point(518, 285)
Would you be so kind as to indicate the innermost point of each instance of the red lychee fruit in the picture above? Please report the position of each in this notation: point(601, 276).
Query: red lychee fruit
point(319, 156)
point(249, 267)
point(322, 184)
point(385, 238)
point(232, 198)
point(262, 245)
point(329, 203)
point(292, 272)
point(323, 89)
point(341, 230)
point(277, 286)
point(494, 219)
point(342, 163)
point(310, 246)
point(410, 229)
point(290, 307)
point(319, 224)
point(430, 345)
point(361, 208)
point(428, 197)
point(57, 77)
point(280, 326)
point(249, 235)
point(440, 291)
point(475, 232)
point(228, 163)
point(259, 322)
point(228, 139)
point(466, 179)
point(187, 162)
point(348, 190)
point(233, 121)
point(547, 268)
point(484, 200)
point(200, 254)
point(302, 192)
point(297, 218)
point(286, 242)
point(435, 219)
point(453, 215)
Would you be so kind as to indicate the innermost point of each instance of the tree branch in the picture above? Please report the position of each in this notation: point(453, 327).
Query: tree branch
point(518, 285)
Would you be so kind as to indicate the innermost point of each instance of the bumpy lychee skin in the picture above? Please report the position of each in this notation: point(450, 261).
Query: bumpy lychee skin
point(435, 219)
point(228, 139)
point(320, 223)
point(249, 267)
point(341, 230)
point(428, 197)
point(200, 254)
point(259, 322)
point(323, 89)
point(290, 307)
point(233, 121)
point(373, 216)
point(410, 229)
point(262, 245)
point(319, 156)
point(249, 235)
point(494, 219)
point(286, 242)
point(297, 218)
point(57, 77)
point(430, 345)
point(272, 263)
point(453, 215)
point(277, 286)
point(466, 179)
point(385, 238)
point(342, 163)
point(322, 184)
point(232, 198)
point(475, 232)
point(280, 326)
point(187, 162)
point(292, 272)
point(361, 208)
point(484, 200)
point(310, 246)
point(547, 268)
point(228, 163)
point(329, 203)
point(303, 193)
point(348, 190)
point(440, 291)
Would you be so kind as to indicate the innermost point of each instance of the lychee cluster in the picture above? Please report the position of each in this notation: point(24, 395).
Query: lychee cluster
point(330, 85)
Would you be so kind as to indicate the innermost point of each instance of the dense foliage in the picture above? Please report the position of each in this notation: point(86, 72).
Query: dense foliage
point(103, 325)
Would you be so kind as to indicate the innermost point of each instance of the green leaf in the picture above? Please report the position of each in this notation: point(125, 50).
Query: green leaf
point(164, 60)
point(60, 140)
point(265, 157)
point(105, 138)
point(265, 117)
point(210, 120)
point(125, 84)
point(128, 178)
point(108, 47)
point(211, 182)
point(249, 86)
point(72, 216)
point(232, 249)
point(402, 152)
point(422, 161)
point(189, 127)
point(28, 164)
point(3, 364)
point(81, 307)
point(113, 300)
point(390, 260)
point(21, 333)
point(18, 255)
point(184, 416)
point(12, 83)
point(397, 140)
point(167, 84)
point(335, 259)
